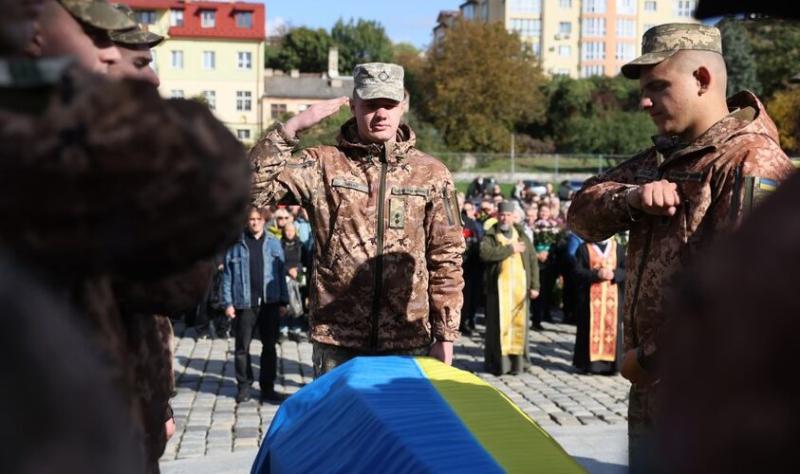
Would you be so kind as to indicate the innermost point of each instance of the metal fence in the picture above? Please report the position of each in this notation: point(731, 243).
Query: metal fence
point(506, 167)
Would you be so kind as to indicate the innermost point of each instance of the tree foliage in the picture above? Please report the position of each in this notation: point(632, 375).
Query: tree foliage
point(776, 49)
point(784, 108)
point(480, 83)
point(595, 115)
point(301, 48)
point(741, 65)
point(361, 41)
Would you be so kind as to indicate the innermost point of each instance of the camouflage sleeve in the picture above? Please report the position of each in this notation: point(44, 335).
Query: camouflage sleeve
point(600, 209)
point(279, 176)
point(444, 251)
point(761, 167)
point(117, 178)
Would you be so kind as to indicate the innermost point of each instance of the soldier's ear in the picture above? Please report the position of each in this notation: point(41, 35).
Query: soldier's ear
point(703, 77)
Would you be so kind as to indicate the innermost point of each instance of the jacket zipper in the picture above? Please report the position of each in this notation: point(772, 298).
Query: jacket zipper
point(376, 301)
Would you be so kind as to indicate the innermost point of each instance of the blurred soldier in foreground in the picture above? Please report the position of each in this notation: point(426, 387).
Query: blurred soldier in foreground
point(88, 178)
point(712, 161)
point(387, 273)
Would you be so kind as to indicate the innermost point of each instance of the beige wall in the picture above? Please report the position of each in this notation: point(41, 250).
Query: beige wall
point(554, 43)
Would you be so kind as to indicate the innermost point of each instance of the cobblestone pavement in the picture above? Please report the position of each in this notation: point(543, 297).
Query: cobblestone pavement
point(210, 423)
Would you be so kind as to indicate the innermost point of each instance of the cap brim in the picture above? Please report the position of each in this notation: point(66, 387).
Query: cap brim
point(633, 68)
point(137, 37)
point(367, 95)
point(99, 15)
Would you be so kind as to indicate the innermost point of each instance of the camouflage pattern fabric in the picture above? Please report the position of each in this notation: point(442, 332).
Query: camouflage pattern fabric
point(136, 36)
point(326, 357)
point(378, 285)
point(707, 171)
point(379, 81)
point(662, 41)
point(98, 13)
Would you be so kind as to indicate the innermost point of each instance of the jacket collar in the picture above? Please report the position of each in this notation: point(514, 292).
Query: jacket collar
point(396, 150)
point(747, 116)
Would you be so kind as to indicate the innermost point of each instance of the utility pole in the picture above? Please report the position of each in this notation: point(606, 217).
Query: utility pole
point(513, 160)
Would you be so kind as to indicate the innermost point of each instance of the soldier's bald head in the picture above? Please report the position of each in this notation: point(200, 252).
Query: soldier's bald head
point(689, 61)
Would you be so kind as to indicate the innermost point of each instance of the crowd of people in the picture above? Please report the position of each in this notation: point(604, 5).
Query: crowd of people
point(565, 268)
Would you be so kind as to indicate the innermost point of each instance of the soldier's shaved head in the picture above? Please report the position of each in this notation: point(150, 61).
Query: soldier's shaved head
point(689, 61)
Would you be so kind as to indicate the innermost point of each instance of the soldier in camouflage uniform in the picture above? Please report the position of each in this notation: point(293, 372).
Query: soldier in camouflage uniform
point(102, 183)
point(134, 47)
point(388, 243)
point(711, 163)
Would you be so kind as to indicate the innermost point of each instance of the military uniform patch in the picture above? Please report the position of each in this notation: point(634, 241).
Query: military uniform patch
point(344, 183)
point(397, 213)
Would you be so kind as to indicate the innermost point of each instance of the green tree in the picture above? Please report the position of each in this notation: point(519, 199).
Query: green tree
point(739, 59)
point(480, 84)
point(776, 49)
point(783, 108)
point(613, 133)
point(301, 48)
point(363, 41)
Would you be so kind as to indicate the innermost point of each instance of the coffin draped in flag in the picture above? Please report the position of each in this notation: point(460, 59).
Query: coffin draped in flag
point(405, 414)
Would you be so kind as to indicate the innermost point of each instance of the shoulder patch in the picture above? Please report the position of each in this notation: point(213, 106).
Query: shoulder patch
point(756, 189)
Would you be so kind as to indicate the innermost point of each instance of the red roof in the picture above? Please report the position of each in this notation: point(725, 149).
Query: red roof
point(225, 18)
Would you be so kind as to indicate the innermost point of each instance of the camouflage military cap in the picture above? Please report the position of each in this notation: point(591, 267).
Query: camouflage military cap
point(98, 13)
point(136, 36)
point(379, 81)
point(662, 41)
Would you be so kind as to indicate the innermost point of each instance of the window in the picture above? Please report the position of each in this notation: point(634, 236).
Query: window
point(532, 7)
point(243, 134)
point(593, 50)
point(276, 110)
point(526, 27)
point(565, 3)
point(211, 98)
point(588, 71)
point(594, 27)
point(684, 8)
point(176, 93)
point(565, 51)
point(244, 20)
point(244, 101)
point(650, 5)
point(177, 59)
point(209, 60)
point(536, 49)
point(565, 28)
point(244, 60)
point(626, 28)
point(626, 7)
point(626, 51)
point(146, 17)
point(176, 18)
point(594, 6)
point(485, 11)
point(208, 18)
point(468, 11)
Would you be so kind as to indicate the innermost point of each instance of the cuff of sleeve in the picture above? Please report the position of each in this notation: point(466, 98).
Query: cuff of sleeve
point(450, 335)
point(621, 199)
point(290, 141)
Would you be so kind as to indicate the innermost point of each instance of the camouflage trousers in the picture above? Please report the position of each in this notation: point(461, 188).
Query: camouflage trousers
point(643, 454)
point(327, 357)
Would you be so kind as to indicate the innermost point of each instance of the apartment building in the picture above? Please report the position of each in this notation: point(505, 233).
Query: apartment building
point(214, 50)
point(578, 38)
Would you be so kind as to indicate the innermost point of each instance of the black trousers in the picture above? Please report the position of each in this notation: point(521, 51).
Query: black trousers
point(266, 318)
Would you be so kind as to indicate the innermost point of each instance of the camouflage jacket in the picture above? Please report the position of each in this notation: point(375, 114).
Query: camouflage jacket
point(388, 241)
point(719, 176)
